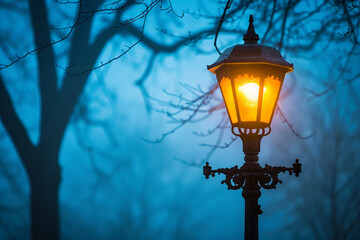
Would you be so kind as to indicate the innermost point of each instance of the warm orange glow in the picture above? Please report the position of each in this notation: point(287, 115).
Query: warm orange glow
point(247, 96)
point(247, 93)
point(226, 90)
point(272, 86)
point(250, 90)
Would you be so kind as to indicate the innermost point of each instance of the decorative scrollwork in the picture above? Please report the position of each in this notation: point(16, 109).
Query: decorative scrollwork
point(241, 131)
point(267, 176)
point(234, 177)
point(234, 181)
point(269, 180)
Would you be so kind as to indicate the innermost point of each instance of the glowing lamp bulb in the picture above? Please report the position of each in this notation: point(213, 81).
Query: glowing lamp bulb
point(250, 91)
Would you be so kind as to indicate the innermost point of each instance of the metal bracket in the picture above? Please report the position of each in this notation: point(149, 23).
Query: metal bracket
point(267, 176)
point(234, 176)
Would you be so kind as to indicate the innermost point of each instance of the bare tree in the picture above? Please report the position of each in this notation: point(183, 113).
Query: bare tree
point(77, 51)
point(59, 91)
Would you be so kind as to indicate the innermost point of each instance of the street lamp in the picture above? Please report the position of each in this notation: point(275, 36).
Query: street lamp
point(250, 77)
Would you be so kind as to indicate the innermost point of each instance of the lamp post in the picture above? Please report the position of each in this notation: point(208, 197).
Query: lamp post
point(250, 77)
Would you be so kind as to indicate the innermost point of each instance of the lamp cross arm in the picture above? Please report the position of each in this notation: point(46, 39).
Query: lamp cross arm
point(268, 179)
point(266, 176)
point(234, 176)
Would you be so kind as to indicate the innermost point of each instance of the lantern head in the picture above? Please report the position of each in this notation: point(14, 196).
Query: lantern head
point(250, 77)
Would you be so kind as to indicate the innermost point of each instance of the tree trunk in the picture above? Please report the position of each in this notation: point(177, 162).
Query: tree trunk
point(44, 202)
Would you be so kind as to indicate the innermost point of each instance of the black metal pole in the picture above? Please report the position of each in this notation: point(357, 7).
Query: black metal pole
point(251, 193)
point(251, 219)
point(251, 177)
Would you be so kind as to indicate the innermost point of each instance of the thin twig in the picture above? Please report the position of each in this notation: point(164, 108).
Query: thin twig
point(227, 6)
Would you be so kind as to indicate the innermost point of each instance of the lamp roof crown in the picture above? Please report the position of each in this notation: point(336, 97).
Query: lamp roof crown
point(251, 52)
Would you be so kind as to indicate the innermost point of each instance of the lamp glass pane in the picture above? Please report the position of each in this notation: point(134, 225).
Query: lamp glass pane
point(247, 94)
point(271, 91)
point(226, 90)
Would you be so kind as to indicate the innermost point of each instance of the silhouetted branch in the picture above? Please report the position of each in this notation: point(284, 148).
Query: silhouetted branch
point(40, 45)
point(226, 145)
point(194, 107)
point(285, 17)
point(222, 124)
point(270, 24)
point(290, 125)
point(141, 80)
point(351, 29)
point(13, 125)
point(213, 148)
point(136, 32)
point(227, 6)
point(343, 70)
point(170, 9)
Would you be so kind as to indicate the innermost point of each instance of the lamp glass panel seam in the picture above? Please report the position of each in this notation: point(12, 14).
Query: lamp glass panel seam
point(227, 93)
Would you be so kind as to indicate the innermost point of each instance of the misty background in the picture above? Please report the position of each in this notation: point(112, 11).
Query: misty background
point(125, 174)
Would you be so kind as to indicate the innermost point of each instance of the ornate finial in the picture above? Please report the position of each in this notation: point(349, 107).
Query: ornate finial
point(250, 36)
point(251, 19)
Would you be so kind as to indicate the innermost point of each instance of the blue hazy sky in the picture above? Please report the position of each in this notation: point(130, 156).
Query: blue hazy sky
point(127, 188)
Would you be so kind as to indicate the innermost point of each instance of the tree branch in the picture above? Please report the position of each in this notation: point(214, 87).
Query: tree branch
point(46, 61)
point(158, 47)
point(291, 126)
point(14, 126)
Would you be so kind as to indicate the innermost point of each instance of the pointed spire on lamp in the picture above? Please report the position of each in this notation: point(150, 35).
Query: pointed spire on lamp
point(250, 36)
